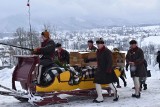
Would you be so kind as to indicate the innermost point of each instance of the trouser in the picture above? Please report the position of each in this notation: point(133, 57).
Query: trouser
point(39, 73)
point(99, 91)
point(122, 80)
point(136, 85)
point(142, 80)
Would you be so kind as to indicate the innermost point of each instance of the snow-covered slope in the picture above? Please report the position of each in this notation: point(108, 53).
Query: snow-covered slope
point(150, 97)
point(154, 40)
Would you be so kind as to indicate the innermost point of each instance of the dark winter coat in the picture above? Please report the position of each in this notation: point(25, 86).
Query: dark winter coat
point(136, 55)
point(63, 56)
point(92, 48)
point(158, 58)
point(47, 51)
point(104, 73)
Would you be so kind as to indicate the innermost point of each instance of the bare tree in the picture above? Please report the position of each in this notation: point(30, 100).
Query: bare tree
point(20, 38)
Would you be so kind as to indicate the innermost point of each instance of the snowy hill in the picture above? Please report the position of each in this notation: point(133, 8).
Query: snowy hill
point(63, 23)
point(154, 40)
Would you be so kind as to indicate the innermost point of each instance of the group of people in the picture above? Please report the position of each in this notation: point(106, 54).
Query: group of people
point(105, 72)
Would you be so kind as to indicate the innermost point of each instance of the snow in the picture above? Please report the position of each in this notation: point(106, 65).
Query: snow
point(151, 27)
point(154, 40)
point(149, 98)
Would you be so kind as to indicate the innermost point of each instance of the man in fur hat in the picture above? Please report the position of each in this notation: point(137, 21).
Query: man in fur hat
point(135, 59)
point(105, 73)
point(47, 51)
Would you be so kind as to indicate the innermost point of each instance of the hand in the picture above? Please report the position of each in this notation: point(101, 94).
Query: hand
point(35, 50)
point(131, 63)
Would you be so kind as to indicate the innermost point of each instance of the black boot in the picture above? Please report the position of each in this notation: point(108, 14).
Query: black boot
point(116, 99)
point(125, 84)
point(144, 86)
point(140, 87)
point(96, 101)
point(136, 96)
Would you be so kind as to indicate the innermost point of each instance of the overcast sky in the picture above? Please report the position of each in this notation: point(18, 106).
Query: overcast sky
point(133, 10)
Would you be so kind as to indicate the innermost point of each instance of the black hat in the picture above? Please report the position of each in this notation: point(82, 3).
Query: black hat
point(90, 41)
point(100, 41)
point(58, 45)
point(133, 42)
point(158, 52)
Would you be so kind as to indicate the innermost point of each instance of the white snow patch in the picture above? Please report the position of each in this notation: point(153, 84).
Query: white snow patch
point(154, 40)
point(149, 98)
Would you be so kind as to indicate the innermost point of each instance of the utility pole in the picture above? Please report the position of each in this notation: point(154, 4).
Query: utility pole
point(29, 20)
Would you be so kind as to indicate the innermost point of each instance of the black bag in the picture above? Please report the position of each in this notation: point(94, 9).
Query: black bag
point(148, 73)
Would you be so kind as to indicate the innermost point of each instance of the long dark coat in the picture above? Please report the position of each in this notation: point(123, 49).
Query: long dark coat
point(137, 56)
point(158, 59)
point(47, 51)
point(104, 73)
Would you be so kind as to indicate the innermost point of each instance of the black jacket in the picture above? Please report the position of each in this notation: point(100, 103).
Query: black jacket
point(63, 56)
point(92, 48)
point(137, 56)
point(158, 58)
point(47, 51)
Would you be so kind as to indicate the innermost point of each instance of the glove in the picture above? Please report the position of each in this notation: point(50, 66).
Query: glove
point(86, 60)
point(35, 51)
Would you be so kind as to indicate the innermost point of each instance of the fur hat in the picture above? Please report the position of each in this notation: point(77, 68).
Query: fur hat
point(90, 41)
point(100, 41)
point(133, 42)
point(46, 34)
point(58, 45)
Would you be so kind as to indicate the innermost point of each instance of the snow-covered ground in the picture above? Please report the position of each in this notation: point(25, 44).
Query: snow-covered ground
point(149, 98)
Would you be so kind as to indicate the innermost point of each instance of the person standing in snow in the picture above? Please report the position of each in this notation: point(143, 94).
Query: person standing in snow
point(135, 59)
point(123, 75)
point(143, 79)
point(105, 73)
point(158, 58)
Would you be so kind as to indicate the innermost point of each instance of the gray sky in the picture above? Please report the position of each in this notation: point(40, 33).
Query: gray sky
point(138, 11)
